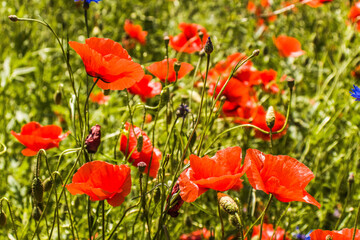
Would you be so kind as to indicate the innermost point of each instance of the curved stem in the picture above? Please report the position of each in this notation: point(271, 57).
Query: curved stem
point(221, 221)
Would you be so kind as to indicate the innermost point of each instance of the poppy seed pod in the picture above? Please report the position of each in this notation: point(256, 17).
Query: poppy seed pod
point(270, 117)
point(166, 40)
point(47, 184)
point(177, 66)
point(256, 52)
point(351, 178)
point(2, 218)
point(141, 166)
point(13, 18)
point(36, 213)
point(92, 141)
point(227, 203)
point(209, 48)
point(37, 190)
point(291, 83)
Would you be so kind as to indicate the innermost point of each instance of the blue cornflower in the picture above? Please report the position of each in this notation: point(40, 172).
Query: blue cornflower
point(355, 93)
point(182, 110)
point(88, 1)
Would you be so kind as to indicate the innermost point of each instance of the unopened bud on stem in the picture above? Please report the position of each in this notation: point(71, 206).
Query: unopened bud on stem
point(2, 218)
point(227, 203)
point(270, 117)
point(13, 18)
point(209, 48)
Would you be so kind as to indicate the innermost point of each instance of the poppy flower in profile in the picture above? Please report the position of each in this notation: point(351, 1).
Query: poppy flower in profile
point(197, 235)
point(189, 40)
point(283, 176)
point(146, 88)
point(288, 46)
point(317, 3)
point(159, 70)
point(354, 14)
point(356, 72)
point(268, 231)
point(220, 172)
point(101, 180)
point(99, 97)
point(135, 31)
point(268, 80)
point(147, 152)
point(343, 234)
point(34, 137)
point(109, 62)
point(260, 121)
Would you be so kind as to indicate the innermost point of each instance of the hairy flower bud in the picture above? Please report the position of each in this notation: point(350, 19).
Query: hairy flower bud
point(234, 221)
point(36, 213)
point(270, 117)
point(47, 184)
point(227, 203)
point(37, 190)
point(177, 66)
point(256, 52)
point(157, 194)
point(209, 48)
point(93, 139)
point(140, 142)
point(2, 218)
point(175, 203)
point(13, 18)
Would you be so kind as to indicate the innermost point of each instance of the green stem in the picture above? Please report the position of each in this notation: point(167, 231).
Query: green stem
point(221, 221)
point(356, 222)
point(263, 215)
point(11, 214)
point(103, 219)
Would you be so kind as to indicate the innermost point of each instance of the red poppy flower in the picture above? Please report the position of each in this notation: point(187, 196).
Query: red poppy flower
point(135, 31)
point(196, 235)
point(260, 121)
point(146, 88)
point(99, 98)
point(268, 80)
point(109, 61)
point(220, 172)
point(34, 137)
point(159, 69)
point(354, 14)
point(356, 72)
point(288, 46)
point(344, 234)
point(268, 231)
point(189, 40)
point(251, 7)
point(101, 180)
point(317, 3)
point(283, 176)
point(146, 152)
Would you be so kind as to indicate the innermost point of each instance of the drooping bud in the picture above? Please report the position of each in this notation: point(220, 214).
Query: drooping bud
point(270, 117)
point(176, 203)
point(165, 97)
point(234, 221)
point(140, 142)
point(13, 18)
point(2, 218)
point(47, 184)
point(256, 52)
point(291, 83)
point(182, 110)
point(209, 48)
point(177, 66)
point(227, 203)
point(37, 190)
point(36, 213)
point(141, 166)
point(92, 141)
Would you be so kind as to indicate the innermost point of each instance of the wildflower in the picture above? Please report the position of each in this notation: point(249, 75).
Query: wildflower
point(268, 80)
point(100, 180)
point(189, 40)
point(197, 235)
point(268, 231)
point(146, 88)
point(345, 233)
point(354, 14)
point(176, 203)
point(220, 172)
point(93, 140)
point(99, 98)
point(182, 110)
point(288, 46)
point(159, 69)
point(283, 176)
point(317, 3)
point(355, 93)
point(88, 1)
point(148, 151)
point(260, 121)
point(135, 31)
point(109, 62)
point(35, 137)
point(356, 72)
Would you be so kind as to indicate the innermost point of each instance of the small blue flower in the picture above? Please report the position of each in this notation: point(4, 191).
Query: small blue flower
point(355, 93)
point(88, 1)
point(182, 110)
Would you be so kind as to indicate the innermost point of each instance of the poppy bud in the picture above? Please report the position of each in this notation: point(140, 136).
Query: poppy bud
point(291, 83)
point(227, 203)
point(165, 97)
point(177, 66)
point(209, 48)
point(140, 142)
point(328, 237)
point(270, 117)
point(176, 203)
point(107, 92)
point(57, 97)
point(2, 218)
point(157, 194)
point(141, 166)
point(256, 52)
point(47, 184)
point(13, 18)
point(92, 141)
point(351, 178)
point(182, 110)
point(234, 221)
point(36, 213)
point(37, 190)
point(166, 40)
